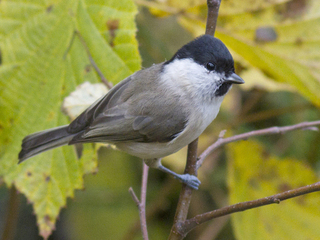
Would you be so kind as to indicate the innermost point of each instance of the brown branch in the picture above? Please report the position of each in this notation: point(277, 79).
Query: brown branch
point(277, 198)
point(181, 228)
point(177, 231)
point(157, 205)
point(185, 194)
point(143, 198)
point(213, 10)
point(267, 131)
point(142, 203)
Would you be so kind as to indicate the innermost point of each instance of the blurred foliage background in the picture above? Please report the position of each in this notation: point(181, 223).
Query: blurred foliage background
point(239, 172)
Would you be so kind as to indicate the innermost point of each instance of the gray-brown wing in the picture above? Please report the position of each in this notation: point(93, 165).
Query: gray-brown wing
point(86, 118)
point(130, 113)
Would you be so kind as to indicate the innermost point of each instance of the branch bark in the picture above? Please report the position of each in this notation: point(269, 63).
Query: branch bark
point(185, 194)
point(239, 207)
point(143, 199)
point(213, 10)
point(267, 131)
point(183, 227)
point(177, 230)
point(142, 203)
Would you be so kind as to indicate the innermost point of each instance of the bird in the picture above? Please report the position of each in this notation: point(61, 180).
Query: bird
point(155, 111)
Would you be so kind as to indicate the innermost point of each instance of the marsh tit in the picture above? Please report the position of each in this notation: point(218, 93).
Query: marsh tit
point(154, 112)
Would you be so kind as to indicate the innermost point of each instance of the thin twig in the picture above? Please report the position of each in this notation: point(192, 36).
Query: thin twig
point(213, 10)
point(142, 204)
point(103, 79)
point(143, 198)
point(277, 198)
point(267, 131)
point(134, 197)
point(158, 204)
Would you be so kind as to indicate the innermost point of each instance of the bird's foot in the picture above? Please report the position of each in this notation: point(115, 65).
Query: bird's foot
point(190, 180)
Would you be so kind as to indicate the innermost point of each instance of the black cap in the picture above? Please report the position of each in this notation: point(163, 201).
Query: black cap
point(207, 49)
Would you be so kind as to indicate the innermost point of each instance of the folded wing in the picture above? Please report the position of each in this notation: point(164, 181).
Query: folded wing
point(132, 111)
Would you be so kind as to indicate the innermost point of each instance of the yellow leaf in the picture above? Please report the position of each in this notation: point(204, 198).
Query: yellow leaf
point(42, 62)
point(253, 174)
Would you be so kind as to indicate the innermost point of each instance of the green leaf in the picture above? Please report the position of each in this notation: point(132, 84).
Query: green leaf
point(278, 39)
point(42, 62)
point(253, 174)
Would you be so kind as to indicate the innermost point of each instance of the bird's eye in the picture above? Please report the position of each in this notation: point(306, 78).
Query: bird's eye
point(211, 66)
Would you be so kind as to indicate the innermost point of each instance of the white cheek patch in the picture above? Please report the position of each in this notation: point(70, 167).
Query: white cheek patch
point(187, 72)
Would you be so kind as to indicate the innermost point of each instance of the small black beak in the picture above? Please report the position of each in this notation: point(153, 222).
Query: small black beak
point(234, 78)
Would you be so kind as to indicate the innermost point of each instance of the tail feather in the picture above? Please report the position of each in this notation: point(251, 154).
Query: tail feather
point(43, 141)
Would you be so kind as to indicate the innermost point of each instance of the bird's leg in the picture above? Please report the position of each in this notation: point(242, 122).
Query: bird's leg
point(190, 180)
